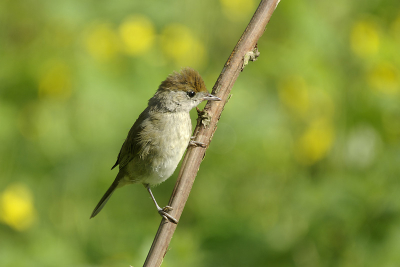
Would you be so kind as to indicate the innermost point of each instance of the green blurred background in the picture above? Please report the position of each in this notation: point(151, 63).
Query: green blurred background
point(304, 167)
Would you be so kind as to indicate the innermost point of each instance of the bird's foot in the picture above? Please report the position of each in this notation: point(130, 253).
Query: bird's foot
point(164, 213)
point(196, 143)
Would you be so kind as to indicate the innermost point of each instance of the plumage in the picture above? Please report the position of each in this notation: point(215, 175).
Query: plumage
point(158, 139)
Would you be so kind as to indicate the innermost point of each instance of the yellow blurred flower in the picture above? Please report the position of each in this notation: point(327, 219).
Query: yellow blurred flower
point(16, 207)
point(385, 78)
point(237, 9)
point(56, 81)
point(179, 44)
point(364, 38)
point(314, 144)
point(293, 92)
point(137, 34)
point(102, 42)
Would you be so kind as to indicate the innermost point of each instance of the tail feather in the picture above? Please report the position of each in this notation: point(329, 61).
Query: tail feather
point(105, 198)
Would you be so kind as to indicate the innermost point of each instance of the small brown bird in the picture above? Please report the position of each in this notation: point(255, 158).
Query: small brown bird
point(159, 137)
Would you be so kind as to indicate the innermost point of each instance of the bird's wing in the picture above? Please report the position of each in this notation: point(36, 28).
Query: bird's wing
point(132, 145)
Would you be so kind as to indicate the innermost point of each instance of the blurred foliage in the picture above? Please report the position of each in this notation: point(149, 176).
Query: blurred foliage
point(304, 167)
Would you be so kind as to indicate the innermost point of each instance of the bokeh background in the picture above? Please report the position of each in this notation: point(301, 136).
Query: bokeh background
point(304, 167)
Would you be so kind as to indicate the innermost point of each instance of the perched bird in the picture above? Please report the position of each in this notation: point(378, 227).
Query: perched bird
point(157, 140)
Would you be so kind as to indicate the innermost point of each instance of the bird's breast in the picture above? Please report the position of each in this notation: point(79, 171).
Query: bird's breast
point(168, 146)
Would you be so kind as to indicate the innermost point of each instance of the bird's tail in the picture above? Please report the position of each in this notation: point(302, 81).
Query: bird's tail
point(105, 198)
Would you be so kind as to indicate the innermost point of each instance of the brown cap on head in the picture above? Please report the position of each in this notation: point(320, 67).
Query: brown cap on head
point(186, 80)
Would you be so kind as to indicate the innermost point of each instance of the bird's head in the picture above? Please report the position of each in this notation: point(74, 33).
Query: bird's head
point(182, 91)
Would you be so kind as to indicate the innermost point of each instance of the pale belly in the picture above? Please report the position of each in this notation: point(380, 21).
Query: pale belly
point(164, 167)
point(165, 154)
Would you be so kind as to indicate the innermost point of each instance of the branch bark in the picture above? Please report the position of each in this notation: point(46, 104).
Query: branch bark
point(245, 50)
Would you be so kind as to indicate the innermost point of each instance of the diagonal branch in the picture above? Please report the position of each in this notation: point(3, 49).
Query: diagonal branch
point(245, 50)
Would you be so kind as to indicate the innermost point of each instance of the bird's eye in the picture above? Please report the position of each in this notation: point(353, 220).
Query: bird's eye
point(191, 94)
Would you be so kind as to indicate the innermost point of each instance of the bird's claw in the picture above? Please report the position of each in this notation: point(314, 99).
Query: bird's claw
point(196, 144)
point(164, 213)
point(167, 208)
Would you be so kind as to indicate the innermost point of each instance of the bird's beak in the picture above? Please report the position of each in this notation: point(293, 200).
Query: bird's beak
point(211, 98)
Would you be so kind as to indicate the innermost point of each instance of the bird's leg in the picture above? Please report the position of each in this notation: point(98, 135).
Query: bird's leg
point(196, 143)
point(162, 211)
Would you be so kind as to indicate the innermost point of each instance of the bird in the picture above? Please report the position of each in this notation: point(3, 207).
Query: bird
point(159, 137)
